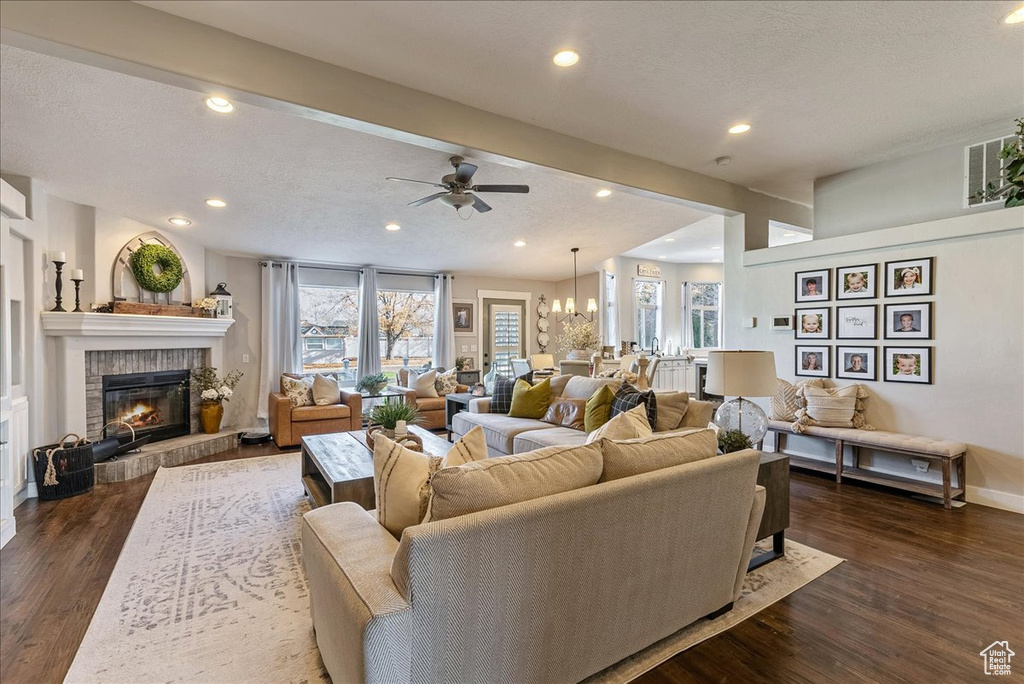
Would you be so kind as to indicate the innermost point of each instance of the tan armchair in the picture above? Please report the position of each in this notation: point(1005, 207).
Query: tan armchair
point(288, 424)
point(432, 409)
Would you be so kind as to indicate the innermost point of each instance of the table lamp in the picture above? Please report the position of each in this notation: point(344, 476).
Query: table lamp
point(741, 374)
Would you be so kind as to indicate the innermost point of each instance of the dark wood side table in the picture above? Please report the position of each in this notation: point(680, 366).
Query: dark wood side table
point(455, 403)
point(773, 475)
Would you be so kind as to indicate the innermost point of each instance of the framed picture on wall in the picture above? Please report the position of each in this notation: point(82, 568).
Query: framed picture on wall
point(857, 282)
point(857, 322)
point(857, 363)
point(909, 278)
point(813, 361)
point(813, 286)
point(908, 364)
point(463, 315)
point(912, 321)
point(813, 324)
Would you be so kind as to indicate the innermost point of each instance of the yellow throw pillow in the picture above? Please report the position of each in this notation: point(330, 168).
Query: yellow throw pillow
point(599, 408)
point(472, 446)
point(629, 425)
point(530, 401)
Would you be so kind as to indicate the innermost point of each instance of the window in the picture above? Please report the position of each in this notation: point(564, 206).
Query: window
point(406, 321)
point(329, 327)
point(313, 343)
point(647, 294)
point(611, 311)
point(702, 308)
point(335, 343)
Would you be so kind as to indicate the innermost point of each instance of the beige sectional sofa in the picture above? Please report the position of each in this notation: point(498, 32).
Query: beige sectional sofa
point(507, 435)
point(551, 589)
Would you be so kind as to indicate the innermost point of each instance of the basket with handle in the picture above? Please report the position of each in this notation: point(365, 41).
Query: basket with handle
point(64, 469)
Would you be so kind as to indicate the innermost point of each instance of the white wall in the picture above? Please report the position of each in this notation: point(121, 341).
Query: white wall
point(979, 339)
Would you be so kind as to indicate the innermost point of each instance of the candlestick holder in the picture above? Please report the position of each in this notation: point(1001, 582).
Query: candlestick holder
point(59, 285)
point(78, 284)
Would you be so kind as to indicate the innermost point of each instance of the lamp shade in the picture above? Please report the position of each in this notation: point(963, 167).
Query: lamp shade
point(741, 373)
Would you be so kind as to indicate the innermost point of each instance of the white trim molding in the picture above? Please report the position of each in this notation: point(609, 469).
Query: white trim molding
point(58, 324)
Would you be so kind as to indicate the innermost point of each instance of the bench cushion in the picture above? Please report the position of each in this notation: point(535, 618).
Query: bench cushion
point(880, 439)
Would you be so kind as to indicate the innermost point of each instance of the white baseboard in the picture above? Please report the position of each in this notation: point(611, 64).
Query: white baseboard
point(6, 530)
point(995, 499)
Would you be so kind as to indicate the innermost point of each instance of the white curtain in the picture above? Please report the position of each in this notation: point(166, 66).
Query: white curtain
point(444, 325)
point(281, 350)
point(369, 327)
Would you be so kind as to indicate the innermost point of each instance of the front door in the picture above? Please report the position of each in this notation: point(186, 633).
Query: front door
point(504, 334)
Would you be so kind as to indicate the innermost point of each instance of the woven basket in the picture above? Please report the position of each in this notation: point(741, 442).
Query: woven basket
point(70, 466)
point(411, 442)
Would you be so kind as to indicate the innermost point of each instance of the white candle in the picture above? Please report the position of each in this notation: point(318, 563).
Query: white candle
point(400, 428)
point(76, 274)
point(58, 256)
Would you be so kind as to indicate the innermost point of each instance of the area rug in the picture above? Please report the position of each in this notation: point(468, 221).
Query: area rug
point(209, 587)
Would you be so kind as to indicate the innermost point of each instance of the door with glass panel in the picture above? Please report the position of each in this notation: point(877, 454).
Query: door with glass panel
point(504, 334)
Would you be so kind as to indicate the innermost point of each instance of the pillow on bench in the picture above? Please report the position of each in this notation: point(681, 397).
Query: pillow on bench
point(841, 407)
point(785, 401)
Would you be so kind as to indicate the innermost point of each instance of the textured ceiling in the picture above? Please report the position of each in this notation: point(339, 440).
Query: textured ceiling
point(828, 86)
point(295, 188)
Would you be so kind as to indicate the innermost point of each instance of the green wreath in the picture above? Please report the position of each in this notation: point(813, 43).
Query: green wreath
point(148, 256)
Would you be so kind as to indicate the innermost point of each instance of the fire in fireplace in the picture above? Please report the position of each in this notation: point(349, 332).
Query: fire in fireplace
point(155, 404)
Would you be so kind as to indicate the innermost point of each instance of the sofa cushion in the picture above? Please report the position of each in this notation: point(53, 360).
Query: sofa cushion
point(332, 412)
point(423, 383)
point(599, 408)
point(530, 401)
point(629, 425)
point(326, 390)
point(430, 404)
point(558, 383)
point(566, 413)
point(582, 387)
point(635, 456)
point(500, 431)
point(447, 382)
point(505, 480)
point(501, 395)
point(672, 408)
point(539, 439)
point(472, 446)
point(628, 397)
point(401, 480)
point(298, 390)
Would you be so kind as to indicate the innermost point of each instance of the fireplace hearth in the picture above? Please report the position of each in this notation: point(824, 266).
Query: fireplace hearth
point(155, 404)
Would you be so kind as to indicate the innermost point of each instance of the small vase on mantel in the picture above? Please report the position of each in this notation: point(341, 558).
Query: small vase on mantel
point(211, 413)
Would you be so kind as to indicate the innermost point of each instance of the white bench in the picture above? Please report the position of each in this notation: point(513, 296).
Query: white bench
point(949, 453)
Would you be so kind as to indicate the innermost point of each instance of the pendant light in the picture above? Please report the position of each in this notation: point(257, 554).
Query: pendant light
point(570, 302)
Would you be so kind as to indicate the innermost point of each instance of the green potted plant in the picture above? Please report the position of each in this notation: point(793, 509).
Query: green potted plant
point(372, 384)
point(384, 418)
point(732, 440)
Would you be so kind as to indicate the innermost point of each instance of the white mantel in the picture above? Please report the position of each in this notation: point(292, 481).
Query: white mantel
point(71, 335)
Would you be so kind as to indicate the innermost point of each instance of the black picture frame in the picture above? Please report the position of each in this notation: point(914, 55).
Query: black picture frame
point(925, 280)
point(840, 318)
point(824, 323)
point(870, 372)
point(825, 352)
point(823, 276)
point(925, 365)
point(871, 286)
point(927, 329)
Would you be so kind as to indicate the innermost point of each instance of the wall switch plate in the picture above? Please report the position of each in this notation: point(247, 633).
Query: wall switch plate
point(465, 348)
point(920, 465)
point(245, 358)
point(472, 348)
point(750, 322)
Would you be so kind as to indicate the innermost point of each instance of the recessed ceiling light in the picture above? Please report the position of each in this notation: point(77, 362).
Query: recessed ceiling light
point(179, 221)
point(663, 257)
point(789, 235)
point(1015, 17)
point(716, 247)
point(392, 227)
point(220, 104)
point(566, 58)
point(214, 202)
point(603, 193)
point(739, 128)
point(716, 261)
point(519, 243)
point(670, 239)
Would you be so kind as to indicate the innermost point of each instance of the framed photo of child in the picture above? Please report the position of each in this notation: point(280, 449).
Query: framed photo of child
point(813, 361)
point(814, 324)
point(908, 321)
point(909, 278)
point(814, 286)
point(908, 364)
point(857, 363)
point(857, 322)
point(857, 282)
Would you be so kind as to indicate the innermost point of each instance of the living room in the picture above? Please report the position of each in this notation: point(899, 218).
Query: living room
point(271, 173)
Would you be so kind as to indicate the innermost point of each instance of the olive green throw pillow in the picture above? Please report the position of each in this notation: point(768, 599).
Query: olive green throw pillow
point(530, 401)
point(599, 408)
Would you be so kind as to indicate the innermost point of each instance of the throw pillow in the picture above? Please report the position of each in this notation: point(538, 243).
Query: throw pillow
point(401, 480)
point(566, 413)
point(635, 456)
point(599, 408)
point(423, 383)
point(628, 425)
point(326, 391)
point(671, 409)
point(558, 384)
point(831, 407)
point(530, 401)
point(505, 480)
point(785, 401)
point(501, 395)
point(298, 390)
point(446, 382)
point(472, 446)
point(628, 397)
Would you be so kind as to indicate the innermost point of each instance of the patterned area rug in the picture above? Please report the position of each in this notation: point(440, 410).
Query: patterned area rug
point(209, 587)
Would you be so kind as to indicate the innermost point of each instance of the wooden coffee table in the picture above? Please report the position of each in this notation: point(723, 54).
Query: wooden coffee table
point(339, 466)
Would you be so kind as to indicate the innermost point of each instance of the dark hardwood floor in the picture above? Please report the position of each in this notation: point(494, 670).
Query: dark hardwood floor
point(923, 590)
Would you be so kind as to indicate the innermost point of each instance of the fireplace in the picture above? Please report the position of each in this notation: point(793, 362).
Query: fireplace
point(155, 404)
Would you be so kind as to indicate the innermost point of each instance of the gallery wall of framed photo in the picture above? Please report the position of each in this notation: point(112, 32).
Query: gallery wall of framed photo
point(856, 325)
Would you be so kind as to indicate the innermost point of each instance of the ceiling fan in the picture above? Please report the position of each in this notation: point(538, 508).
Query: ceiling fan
point(457, 188)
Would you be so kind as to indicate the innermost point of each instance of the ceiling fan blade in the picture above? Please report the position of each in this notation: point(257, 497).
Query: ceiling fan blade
point(464, 172)
point(410, 180)
point(501, 188)
point(430, 198)
point(480, 205)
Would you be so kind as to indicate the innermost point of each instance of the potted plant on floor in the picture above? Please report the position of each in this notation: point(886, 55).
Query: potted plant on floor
point(213, 392)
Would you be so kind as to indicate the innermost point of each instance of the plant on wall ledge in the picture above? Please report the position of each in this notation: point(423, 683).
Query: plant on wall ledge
point(1013, 173)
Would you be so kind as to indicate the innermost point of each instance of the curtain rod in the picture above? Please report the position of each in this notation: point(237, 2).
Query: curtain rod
point(353, 270)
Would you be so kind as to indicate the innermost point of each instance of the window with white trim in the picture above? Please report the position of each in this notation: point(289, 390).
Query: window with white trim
point(702, 315)
point(611, 311)
point(647, 299)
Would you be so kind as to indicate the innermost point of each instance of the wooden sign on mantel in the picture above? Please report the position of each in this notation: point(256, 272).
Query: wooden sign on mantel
point(145, 309)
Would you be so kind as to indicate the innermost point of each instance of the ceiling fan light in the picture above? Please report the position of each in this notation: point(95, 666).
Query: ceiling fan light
point(457, 200)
